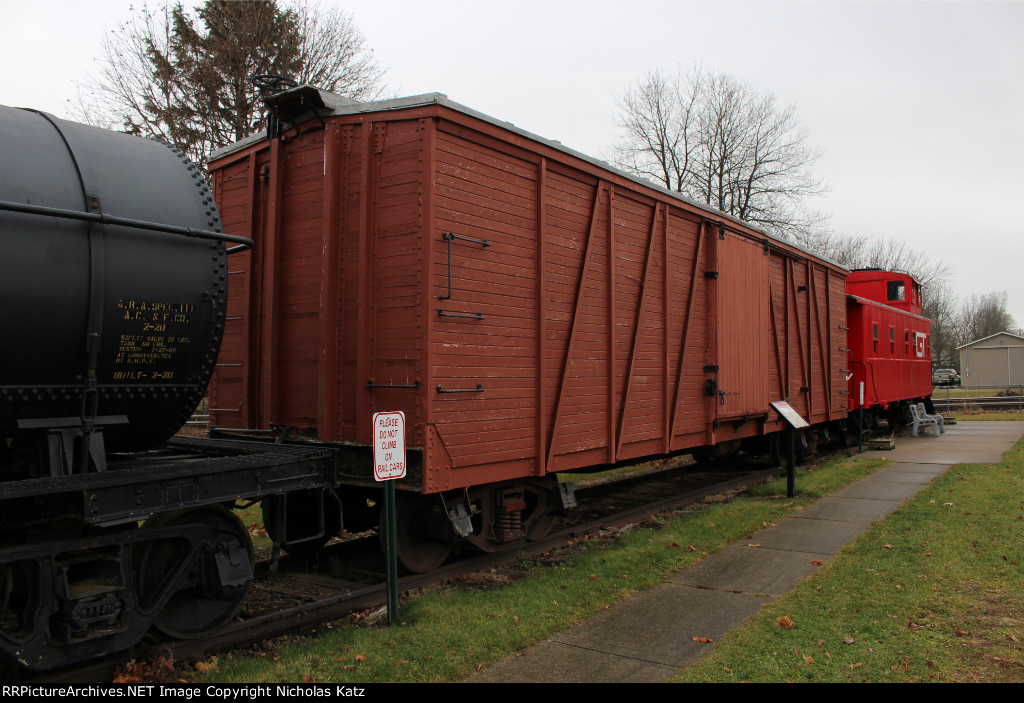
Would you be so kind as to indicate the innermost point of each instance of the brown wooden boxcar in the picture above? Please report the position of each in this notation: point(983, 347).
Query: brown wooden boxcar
point(531, 310)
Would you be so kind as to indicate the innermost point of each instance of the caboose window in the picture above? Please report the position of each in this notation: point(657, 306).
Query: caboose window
point(896, 290)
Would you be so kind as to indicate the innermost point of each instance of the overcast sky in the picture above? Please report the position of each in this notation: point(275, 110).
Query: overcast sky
point(918, 106)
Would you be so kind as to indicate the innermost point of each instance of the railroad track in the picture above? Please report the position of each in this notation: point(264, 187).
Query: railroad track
point(346, 596)
point(990, 403)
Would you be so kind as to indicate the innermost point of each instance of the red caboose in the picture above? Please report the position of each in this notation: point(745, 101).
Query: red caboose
point(889, 342)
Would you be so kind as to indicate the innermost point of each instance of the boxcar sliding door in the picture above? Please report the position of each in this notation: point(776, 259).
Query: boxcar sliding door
point(742, 327)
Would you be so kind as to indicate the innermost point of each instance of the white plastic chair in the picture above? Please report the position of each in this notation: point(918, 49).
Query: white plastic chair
point(924, 413)
point(921, 420)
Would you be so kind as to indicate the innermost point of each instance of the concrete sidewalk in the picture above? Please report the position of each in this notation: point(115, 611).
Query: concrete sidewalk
point(649, 637)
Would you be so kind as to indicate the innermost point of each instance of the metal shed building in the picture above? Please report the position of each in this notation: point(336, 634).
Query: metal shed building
point(996, 360)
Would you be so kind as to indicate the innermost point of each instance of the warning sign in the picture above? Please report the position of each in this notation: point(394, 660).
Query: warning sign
point(388, 445)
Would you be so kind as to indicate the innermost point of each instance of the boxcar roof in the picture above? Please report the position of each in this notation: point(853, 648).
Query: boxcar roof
point(316, 103)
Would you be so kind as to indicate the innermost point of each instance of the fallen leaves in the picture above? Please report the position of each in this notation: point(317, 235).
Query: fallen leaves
point(204, 667)
point(255, 529)
point(160, 671)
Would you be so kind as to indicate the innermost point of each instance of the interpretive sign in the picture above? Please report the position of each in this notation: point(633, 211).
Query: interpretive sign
point(790, 415)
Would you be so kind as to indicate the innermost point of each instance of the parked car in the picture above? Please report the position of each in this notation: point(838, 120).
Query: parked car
point(945, 377)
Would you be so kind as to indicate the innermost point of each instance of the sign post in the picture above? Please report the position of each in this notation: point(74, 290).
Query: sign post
point(860, 421)
point(389, 464)
point(795, 422)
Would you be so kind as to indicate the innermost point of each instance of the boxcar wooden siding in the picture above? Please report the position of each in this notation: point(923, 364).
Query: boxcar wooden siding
point(603, 321)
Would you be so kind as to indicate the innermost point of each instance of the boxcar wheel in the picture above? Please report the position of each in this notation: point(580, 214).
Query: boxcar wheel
point(721, 452)
point(423, 533)
point(513, 512)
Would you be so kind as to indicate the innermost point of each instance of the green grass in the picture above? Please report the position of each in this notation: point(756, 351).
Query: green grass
point(445, 635)
point(933, 593)
point(975, 417)
point(947, 392)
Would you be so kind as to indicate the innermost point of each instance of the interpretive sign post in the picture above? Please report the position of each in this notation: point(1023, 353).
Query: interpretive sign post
point(389, 464)
point(795, 422)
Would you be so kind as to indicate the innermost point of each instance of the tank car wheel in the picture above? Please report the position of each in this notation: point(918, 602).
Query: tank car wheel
point(424, 540)
point(205, 603)
point(20, 586)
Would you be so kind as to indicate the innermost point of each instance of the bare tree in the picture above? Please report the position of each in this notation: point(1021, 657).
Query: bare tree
point(982, 316)
point(940, 306)
point(719, 141)
point(186, 77)
point(334, 55)
point(658, 118)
